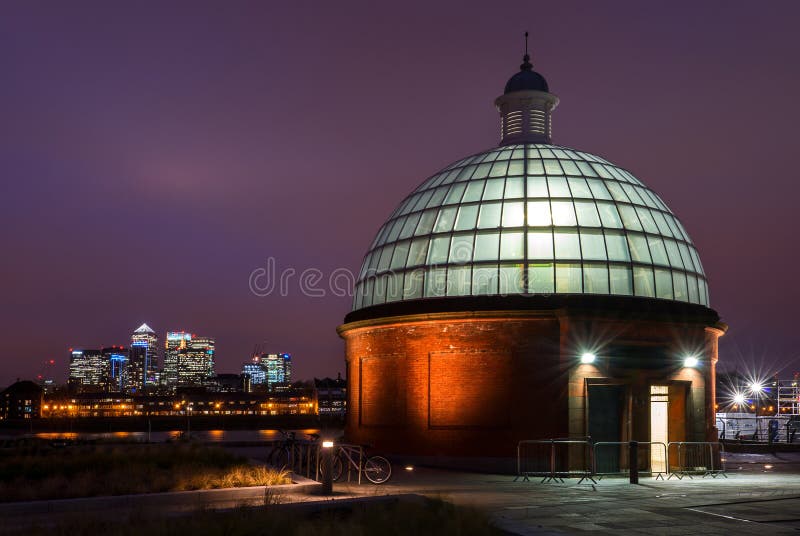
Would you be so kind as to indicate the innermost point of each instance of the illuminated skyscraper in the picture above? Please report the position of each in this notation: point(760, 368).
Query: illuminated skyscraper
point(88, 370)
point(188, 360)
point(269, 369)
point(143, 355)
point(115, 364)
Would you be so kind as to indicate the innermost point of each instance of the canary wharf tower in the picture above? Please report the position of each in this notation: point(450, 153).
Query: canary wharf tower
point(529, 291)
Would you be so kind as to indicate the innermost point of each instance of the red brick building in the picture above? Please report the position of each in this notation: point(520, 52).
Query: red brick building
point(529, 291)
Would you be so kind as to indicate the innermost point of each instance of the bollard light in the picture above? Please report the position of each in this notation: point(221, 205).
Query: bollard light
point(587, 358)
point(409, 467)
point(327, 444)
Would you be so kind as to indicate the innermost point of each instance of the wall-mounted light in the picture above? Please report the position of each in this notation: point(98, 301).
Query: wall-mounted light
point(690, 361)
point(587, 358)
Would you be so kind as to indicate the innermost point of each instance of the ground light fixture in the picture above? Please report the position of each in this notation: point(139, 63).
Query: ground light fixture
point(690, 361)
point(587, 358)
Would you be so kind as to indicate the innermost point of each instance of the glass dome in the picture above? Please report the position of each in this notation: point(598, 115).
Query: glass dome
point(531, 219)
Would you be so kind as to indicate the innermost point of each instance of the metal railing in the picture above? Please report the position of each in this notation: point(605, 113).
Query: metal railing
point(697, 458)
point(554, 459)
point(612, 458)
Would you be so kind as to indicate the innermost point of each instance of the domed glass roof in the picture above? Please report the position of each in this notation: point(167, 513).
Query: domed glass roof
point(531, 219)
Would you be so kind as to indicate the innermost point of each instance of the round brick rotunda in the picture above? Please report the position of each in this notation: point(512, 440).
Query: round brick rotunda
point(529, 291)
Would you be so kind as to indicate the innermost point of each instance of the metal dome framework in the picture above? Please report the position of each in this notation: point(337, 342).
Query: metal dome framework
point(531, 219)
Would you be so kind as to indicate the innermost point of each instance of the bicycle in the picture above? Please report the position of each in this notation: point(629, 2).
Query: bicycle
point(280, 456)
point(376, 469)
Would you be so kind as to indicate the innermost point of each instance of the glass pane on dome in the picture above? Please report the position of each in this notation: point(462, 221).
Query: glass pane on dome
point(657, 250)
point(617, 246)
point(513, 214)
point(516, 167)
point(587, 214)
point(426, 222)
point(515, 188)
point(545, 152)
point(409, 226)
point(386, 258)
point(579, 188)
point(379, 290)
point(629, 218)
point(595, 279)
point(533, 152)
point(643, 281)
point(663, 283)
point(396, 227)
point(435, 282)
point(467, 217)
point(466, 173)
point(422, 201)
point(558, 187)
point(586, 169)
point(694, 295)
point(569, 167)
point(696, 260)
point(499, 169)
point(679, 285)
point(412, 284)
point(455, 194)
point(609, 215)
point(482, 171)
point(602, 171)
point(494, 189)
point(539, 213)
point(599, 190)
point(484, 280)
point(616, 192)
point(489, 216)
point(621, 280)
point(703, 291)
point(474, 191)
point(633, 195)
point(673, 253)
point(418, 252)
point(674, 228)
point(569, 279)
point(661, 223)
point(647, 220)
point(505, 154)
point(369, 288)
point(400, 255)
point(444, 223)
point(535, 167)
point(551, 167)
point(567, 245)
point(439, 249)
point(592, 245)
point(394, 286)
point(518, 152)
point(560, 154)
point(459, 280)
point(487, 246)
point(438, 197)
point(512, 279)
point(540, 244)
point(537, 187)
point(512, 246)
point(461, 248)
point(563, 213)
point(686, 257)
point(637, 244)
point(541, 278)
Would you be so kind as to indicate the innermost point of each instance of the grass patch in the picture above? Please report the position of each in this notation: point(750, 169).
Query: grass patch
point(40, 471)
point(384, 519)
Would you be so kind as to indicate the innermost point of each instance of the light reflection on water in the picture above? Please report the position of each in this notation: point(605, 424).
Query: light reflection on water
point(215, 436)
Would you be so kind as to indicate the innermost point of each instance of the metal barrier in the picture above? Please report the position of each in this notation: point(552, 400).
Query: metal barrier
point(613, 458)
point(697, 458)
point(554, 459)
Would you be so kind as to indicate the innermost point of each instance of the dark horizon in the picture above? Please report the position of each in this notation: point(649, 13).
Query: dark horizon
point(155, 155)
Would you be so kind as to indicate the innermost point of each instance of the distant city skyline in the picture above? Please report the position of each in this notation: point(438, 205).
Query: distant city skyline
point(153, 157)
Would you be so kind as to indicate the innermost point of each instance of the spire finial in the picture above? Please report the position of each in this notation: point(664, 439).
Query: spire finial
point(526, 59)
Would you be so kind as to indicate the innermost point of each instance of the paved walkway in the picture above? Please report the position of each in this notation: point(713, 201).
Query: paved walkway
point(762, 493)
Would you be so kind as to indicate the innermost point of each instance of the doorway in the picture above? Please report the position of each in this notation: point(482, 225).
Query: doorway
point(659, 427)
point(605, 405)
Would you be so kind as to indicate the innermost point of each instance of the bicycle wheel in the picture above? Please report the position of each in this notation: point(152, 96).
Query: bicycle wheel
point(337, 469)
point(377, 469)
point(279, 459)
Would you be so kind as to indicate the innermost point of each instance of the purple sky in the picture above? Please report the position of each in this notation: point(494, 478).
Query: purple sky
point(153, 154)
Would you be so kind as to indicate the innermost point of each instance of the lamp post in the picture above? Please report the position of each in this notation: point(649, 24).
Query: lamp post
point(326, 467)
point(756, 388)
